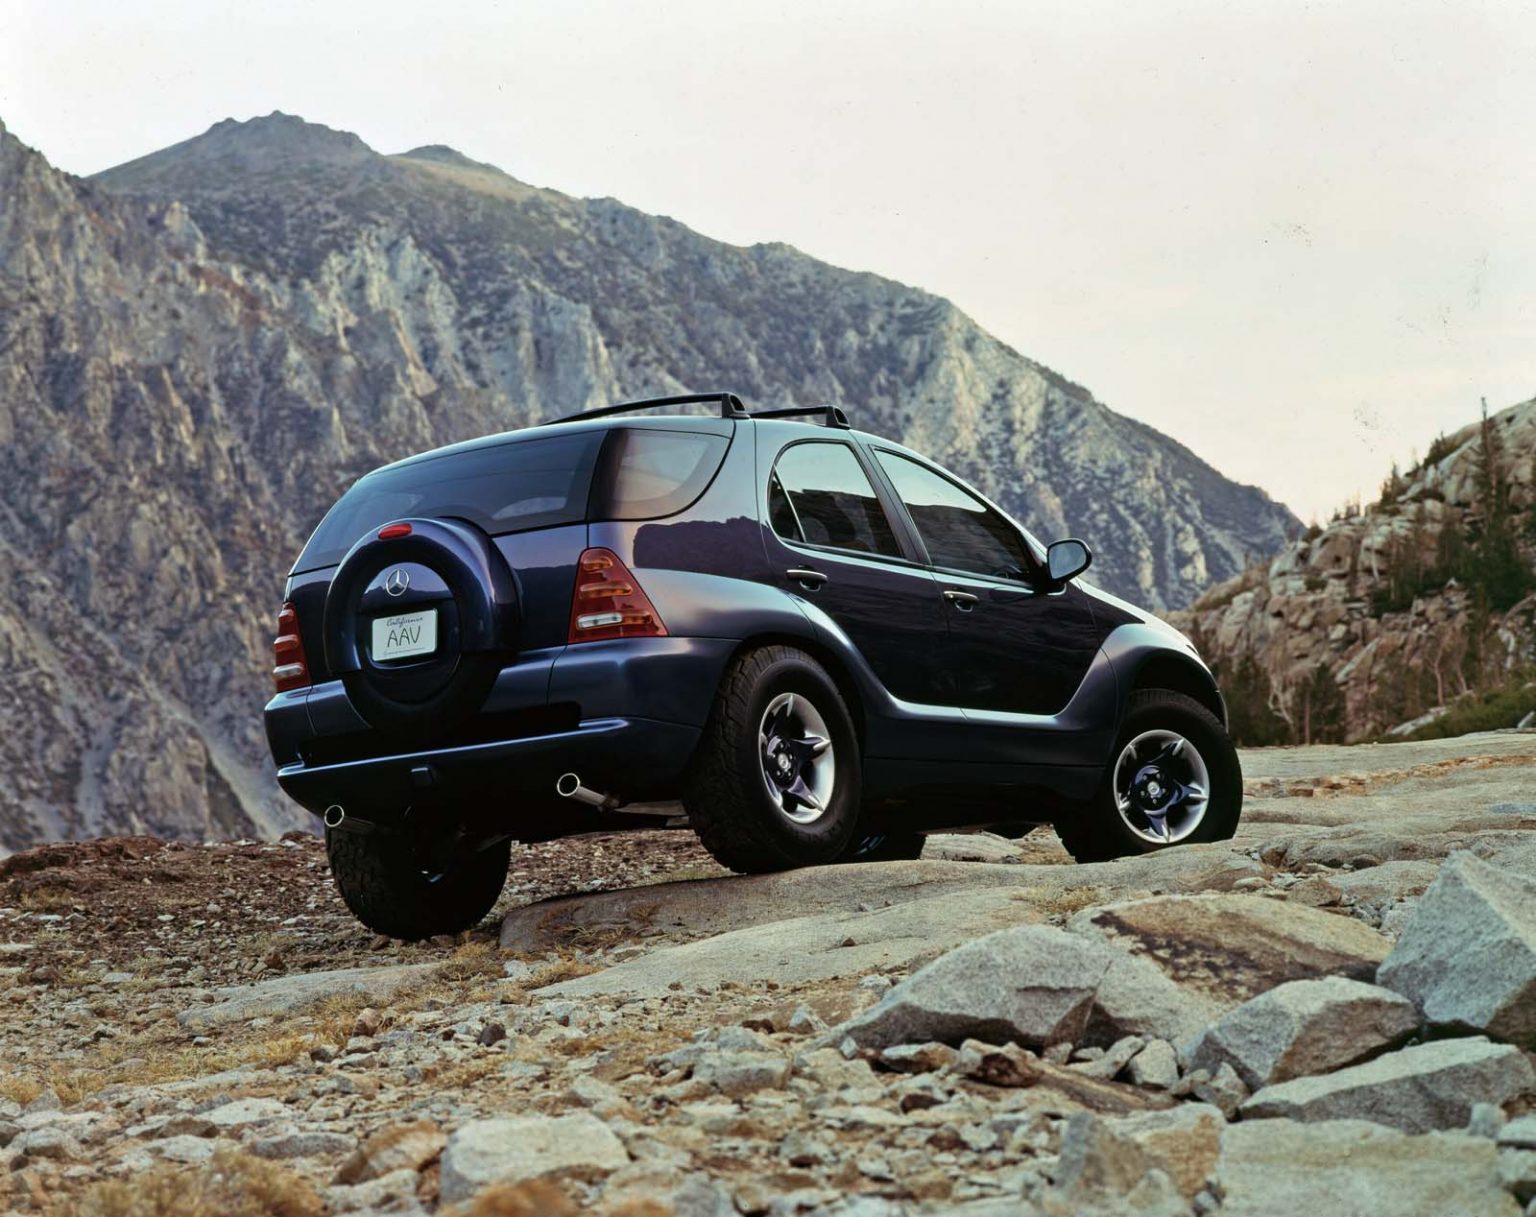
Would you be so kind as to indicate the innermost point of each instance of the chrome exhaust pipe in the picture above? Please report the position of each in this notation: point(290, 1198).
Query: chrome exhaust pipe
point(334, 815)
point(568, 786)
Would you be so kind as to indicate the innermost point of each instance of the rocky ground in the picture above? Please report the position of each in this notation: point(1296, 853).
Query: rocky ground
point(1333, 1013)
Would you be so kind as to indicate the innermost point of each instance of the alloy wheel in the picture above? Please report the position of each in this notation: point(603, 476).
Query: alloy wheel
point(1162, 787)
point(798, 761)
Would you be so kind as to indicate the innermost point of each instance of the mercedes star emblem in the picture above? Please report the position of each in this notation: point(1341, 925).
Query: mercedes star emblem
point(397, 581)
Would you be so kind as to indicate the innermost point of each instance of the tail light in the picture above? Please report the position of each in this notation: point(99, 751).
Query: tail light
point(609, 603)
point(290, 670)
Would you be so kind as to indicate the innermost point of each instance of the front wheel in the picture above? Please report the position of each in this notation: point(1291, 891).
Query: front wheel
point(390, 889)
point(775, 781)
point(1173, 777)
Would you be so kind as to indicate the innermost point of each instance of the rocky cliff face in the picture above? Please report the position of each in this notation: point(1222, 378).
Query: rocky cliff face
point(200, 349)
point(1395, 611)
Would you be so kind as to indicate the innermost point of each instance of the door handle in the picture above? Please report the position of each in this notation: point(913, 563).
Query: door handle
point(963, 601)
point(808, 579)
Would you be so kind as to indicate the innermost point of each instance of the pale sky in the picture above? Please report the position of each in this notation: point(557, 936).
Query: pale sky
point(1297, 237)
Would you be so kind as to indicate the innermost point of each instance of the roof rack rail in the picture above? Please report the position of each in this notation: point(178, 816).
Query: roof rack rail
point(833, 416)
point(730, 406)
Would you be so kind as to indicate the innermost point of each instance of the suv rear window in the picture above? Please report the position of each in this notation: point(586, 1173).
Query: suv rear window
point(511, 487)
point(658, 473)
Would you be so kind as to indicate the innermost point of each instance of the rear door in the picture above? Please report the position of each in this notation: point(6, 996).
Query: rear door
point(1016, 647)
point(831, 540)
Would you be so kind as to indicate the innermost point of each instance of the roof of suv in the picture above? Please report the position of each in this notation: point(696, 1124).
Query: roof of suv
point(604, 417)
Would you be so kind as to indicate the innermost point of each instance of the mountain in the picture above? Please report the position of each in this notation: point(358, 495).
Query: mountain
point(1416, 613)
point(199, 349)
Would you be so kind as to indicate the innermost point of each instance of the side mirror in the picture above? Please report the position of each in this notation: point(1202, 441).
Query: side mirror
point(1066, 560)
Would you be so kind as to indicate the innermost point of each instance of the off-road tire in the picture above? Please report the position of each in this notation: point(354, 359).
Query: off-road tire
point(1094, 832)
point(885, 847)
point(380, 878)
point(727, 803)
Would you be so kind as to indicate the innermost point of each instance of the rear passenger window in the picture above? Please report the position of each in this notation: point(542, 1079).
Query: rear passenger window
point(656, 473)
point(820, 494)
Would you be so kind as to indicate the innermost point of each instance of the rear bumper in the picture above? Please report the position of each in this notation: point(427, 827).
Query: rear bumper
point(608, 753)
point(625, 715)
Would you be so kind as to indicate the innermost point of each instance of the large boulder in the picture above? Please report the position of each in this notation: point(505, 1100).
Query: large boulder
point(1305, 1027)
point(1350, 1168)
point(1418, 1089)
point(697, 907)
point(1467, 958)
point(1034, 985)
point(1231, 947)
point(514, 1150)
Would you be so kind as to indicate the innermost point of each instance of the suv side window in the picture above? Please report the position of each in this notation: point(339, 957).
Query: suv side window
point(820, 494)
point(654, 473)
point(960, 531)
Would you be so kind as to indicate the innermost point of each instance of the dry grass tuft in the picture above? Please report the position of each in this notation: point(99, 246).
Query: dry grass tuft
point(49, 900)
point(20, 1090)
point(333, 1019)
point(535, 1199)
point(472, 961)
point(233, 1184)
point(1062, 903)
point(561, 969)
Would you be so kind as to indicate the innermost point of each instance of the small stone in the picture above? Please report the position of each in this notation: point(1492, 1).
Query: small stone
point(1057, 1054)
point(997, 1065)
point(46, 1142)
point(395, 1147)
point(1225, 1090)
point(244, 1112)
point(1517, 1172)
point(492, 1033)
point(804, 1149)
point(1486, 1120)
point(482, 1152)
point(1317, 892)
point(187, 1124)
point(303, 1145)
point(368, 1022)
point(48, 1100)
point(738, 1073)
point(805, 1021)
point(918, 1095)
point(1116, 1058)
point(1518, 1134)
point(186, 1150)
point(1156, 1066)
point(918, 1058)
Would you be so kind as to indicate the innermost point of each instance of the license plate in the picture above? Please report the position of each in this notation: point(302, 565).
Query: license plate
point(405, 635)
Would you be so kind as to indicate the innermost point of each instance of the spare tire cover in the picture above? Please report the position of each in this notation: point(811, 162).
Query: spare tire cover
point(450, 571)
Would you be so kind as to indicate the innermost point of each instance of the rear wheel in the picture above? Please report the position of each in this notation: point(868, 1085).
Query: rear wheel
point(384, 881)
point(1173, 778)
point(775, 782)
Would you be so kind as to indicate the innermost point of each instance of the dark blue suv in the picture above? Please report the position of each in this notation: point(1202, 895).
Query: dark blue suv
point(823, 644)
